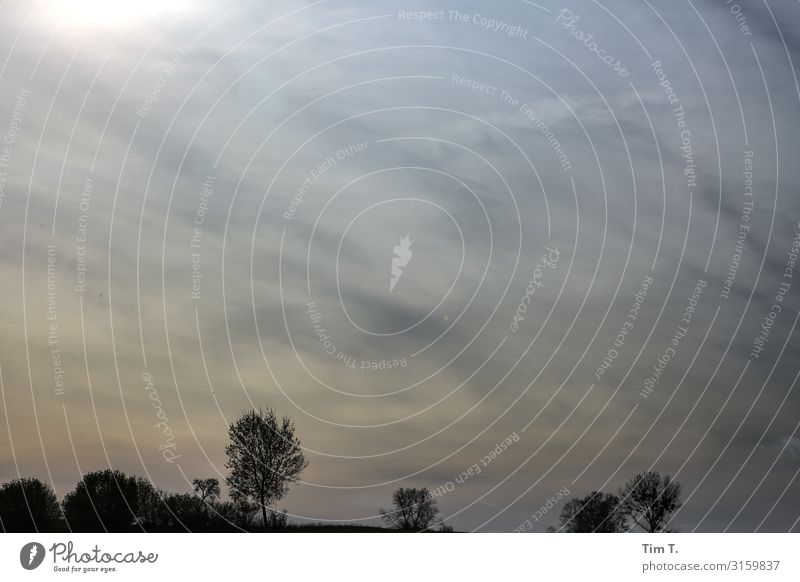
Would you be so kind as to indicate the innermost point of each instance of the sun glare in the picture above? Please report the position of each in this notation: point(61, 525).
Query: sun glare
point(111, 12)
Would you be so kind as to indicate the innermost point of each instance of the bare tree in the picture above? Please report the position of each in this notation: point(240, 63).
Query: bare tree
point(650, 500)
point(207, 489)
point(414, 509)
point(264, 456)
point(598, 512)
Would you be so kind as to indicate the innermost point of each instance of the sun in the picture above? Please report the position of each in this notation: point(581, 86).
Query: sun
point(102, 13)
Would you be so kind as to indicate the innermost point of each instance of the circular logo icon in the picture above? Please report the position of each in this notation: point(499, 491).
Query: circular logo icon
point(31, 555)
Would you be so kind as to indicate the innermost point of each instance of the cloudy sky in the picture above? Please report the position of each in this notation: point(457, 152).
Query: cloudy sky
point(206, 203)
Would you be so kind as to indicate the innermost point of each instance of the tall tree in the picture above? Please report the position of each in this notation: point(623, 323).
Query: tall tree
point(27, 505)
point(650, 500)
point(414, 509)
point(264, 456)
point(598, 512)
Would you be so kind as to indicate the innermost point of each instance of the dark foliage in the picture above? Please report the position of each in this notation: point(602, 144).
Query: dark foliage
point(185, 511)
point(241, 513)
point(110, 500)
point(414, 510)
point(598, 512)
point(650, 500)
point(264, 457)
point(277, 520)
point(27, 505)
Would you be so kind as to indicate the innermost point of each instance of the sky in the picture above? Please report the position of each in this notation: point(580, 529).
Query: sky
point(499, 250)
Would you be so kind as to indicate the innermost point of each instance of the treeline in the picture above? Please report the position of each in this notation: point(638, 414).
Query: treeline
point(645, 503)
point(264, 458)
point(109, 500)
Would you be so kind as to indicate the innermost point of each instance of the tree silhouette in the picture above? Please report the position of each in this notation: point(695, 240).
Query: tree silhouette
point(264, 456)
point(414, 509)
point(109, 500)
point(27, 505)
point(206, 489)
point(650, 500)
point(598, 512)
point(206, 493)
point(188, 512)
